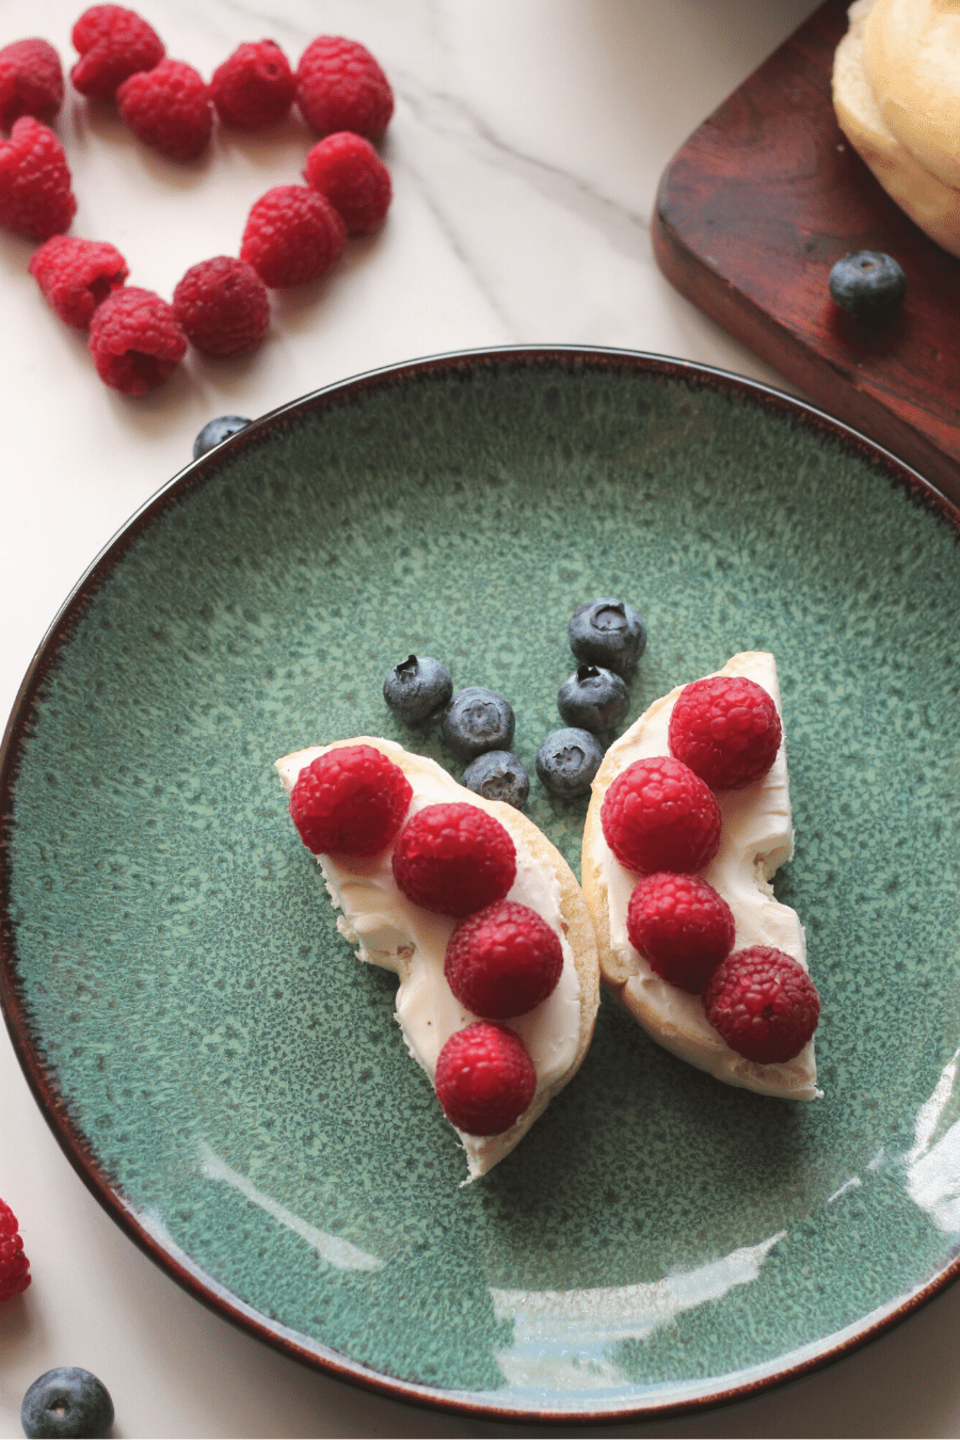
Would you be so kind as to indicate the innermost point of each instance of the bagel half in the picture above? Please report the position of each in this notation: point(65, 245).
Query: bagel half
point(391, 931)
point(756, 839)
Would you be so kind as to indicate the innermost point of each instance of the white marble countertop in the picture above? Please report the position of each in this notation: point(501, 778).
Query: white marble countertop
point(525, 150)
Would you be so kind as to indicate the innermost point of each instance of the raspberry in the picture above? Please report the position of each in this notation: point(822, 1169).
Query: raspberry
point(168, 108)
point(14, 1265)
point(76, 275)
point(348, 171)
point(135, 340)
point(503, 960)
point(726, 728)
point(485, 1078)
point(292, 236)
point(350, 801)
point(113, 43)
point(223, 306)
point(682, 926)
point(454, 859)
point(341, 87)
point(35, 195)
point(763, 1003)
point(658, 815)
point(31, 81)
point(253, 88)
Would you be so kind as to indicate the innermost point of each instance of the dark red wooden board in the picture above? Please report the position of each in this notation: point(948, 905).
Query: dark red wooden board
point(751, 214)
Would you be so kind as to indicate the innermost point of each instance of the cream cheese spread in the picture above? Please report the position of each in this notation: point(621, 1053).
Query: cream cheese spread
point(756, 839)
point(389, 930)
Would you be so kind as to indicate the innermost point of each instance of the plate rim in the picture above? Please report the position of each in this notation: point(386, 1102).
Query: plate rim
point(160, 1248)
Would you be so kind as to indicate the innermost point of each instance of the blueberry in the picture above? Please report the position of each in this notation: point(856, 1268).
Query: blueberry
point(416, 687)
point(567, 762)
point(593, 699)
point(608, 633)
point(477, 720)
point(498, 775)
point(66, 1402)
point(216, 431)
point(868, 285)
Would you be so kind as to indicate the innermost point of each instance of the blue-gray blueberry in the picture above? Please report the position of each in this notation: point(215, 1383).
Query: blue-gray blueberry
point(607, 632)
point(477, 720)
point(567, 762)
point(498, 775)
point(417, 687)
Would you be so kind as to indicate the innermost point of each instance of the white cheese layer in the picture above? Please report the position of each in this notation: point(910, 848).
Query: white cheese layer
point(389, 930)
point(756, 839)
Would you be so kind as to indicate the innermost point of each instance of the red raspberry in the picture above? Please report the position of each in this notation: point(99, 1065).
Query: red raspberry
point(31, 81)
point(76, 275)
point(35, 195)
point(168, 108)
point(658, 815)
point(113, 43)
point(682, 926)
point(763, 1003)
point(349, 172)
point(254, 88)
point(341, 87)
point(726, 728)
point(350, 801)
point(503, 960)
point(14, 1265)
point(454, 859)
point(135, 340)
point(485, 1078)
point(223, 306)
point(292, 236)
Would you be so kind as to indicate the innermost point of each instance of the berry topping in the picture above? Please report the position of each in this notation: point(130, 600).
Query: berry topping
point(14, 1265)
point(348, 170)
point(168, 109)
point(223, 307)
point(608, 633)
point(31, 81)
point(726, 728)
point(682, 926)
point(498, 775)
point(35, 195)
point(658, 815)
point(454, 859)
point(135, 340)
point(477, 720)
point(869, 285)
point(341, 87)
point(67, 1402)
point(485, 1078)
point(292, 236)
point(216, 431)
point(763, 1003)
point(567, 762)
point(76, 275)
point(350, 801)
point(254, 88)
point(503, 961)
point(593, 699)
point(113, 43)
point(417, 687)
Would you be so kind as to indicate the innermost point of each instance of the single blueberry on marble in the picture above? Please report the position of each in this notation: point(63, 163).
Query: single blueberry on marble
point(216, 431)
point(593, 698)
point(869, 285)
point(416, 687)
point(567, 761)
point(609, 633)
point(498, 775)
point(67, 1402)
point(477, 720)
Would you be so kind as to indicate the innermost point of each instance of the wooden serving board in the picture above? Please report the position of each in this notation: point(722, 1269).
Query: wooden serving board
point(752, 213)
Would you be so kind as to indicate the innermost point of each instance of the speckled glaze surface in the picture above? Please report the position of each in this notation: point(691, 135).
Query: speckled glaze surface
point(232, 1084)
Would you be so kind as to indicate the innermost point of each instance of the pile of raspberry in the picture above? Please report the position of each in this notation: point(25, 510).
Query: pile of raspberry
point(453, 859)
point(661, 819)
point(293, 235)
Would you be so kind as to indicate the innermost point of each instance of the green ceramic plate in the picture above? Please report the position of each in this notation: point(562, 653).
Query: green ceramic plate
point(231, 1083)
